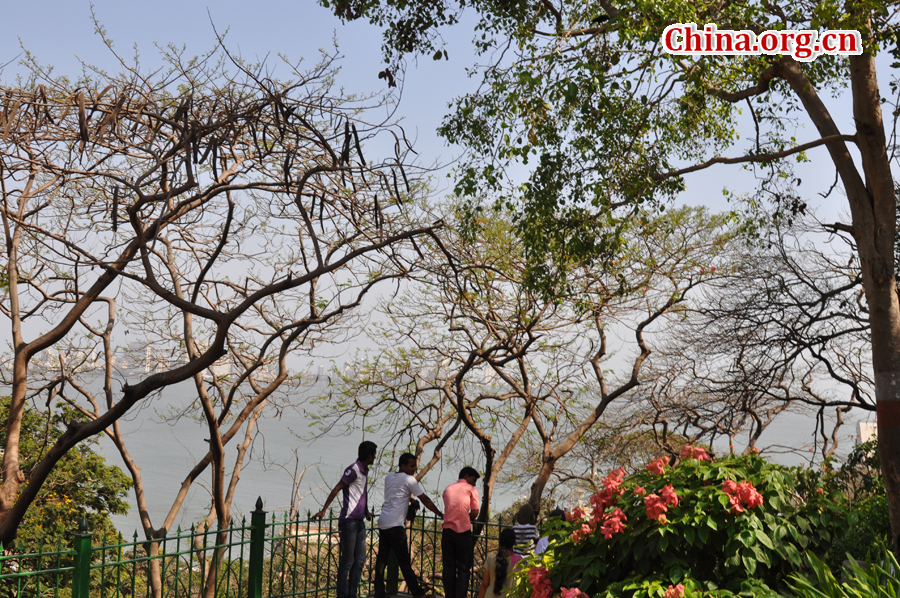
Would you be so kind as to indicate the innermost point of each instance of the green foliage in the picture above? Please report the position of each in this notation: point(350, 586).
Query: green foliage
point(857, 488)
point(702, 540)
point(583, 95)
point(878, 578)
point(81, 485)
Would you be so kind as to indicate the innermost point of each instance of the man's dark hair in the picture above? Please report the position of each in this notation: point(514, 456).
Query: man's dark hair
point(557, 513)
point(467, 471)
point(366, 449)
point(406, 458)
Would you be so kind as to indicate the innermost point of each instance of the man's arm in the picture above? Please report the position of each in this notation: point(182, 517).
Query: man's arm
point(430, 505)
point(340, 486)
point(473, 506)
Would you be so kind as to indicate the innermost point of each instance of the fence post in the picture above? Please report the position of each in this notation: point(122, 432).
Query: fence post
point(257, 550)
point(81, 578)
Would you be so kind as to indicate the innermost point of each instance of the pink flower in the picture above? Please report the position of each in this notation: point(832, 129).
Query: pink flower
point(749, 495)
point(754, 450)
point(583, 532)
point(656, 507)
point(669, 495)
point(694, 452)
point(614, 479)
point(819, 491)
point(577, 513)
point(572, 593)
point(611, 527)
point(639, 490)
point(741, 495)
point(657, 466)
point(539, 579)
point(672, 592)
point(604, 499)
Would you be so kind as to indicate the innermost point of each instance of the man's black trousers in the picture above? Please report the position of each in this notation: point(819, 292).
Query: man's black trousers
point(458, 555)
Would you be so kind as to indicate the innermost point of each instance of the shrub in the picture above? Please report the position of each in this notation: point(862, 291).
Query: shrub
point(714, 528)
point(877, 579)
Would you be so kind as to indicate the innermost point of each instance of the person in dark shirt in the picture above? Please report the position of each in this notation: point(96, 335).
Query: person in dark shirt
point(352, 520)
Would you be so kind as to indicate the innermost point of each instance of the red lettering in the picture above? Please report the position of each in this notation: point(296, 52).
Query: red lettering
point(848, 41)
point(692, 40)
point(709, 31)
point(726, 38)
point(671, 37)
point(803, 45)
point(744, 42)
point(786, 39)
point(768, 41)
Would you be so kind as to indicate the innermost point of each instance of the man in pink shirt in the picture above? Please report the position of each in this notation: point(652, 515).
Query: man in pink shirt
point(460, 510)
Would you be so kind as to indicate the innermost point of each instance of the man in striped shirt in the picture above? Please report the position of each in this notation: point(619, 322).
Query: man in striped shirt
point(526, 531)
point(352, 520)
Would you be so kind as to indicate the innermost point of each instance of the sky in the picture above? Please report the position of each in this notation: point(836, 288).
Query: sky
point(60, 32)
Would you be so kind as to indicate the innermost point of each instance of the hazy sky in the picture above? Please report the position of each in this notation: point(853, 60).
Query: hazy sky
point(59, 32)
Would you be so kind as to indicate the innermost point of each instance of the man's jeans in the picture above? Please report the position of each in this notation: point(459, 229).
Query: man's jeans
point(353, 556)
point(394, 539)
point(456, 549)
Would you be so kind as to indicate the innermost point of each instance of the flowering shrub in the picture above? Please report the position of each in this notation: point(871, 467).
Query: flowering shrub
point(675, 592)
point(539, 579)
point(700, 528)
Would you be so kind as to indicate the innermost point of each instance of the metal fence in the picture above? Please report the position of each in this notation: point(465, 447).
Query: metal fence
point(270, 557)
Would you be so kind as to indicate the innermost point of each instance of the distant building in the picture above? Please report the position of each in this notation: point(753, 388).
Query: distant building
point(866, 431)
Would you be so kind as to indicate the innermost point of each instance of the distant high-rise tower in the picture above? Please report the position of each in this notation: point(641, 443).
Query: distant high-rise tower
point(866, 431)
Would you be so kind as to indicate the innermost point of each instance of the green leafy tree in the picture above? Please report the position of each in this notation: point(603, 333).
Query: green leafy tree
point(82, 485)
point(609, 124)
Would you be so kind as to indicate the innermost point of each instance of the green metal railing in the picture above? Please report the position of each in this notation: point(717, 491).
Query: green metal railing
point(269, 558)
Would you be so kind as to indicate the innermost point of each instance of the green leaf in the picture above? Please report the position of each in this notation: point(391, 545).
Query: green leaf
point(793, 554)
point(703, 533)
point(764, 539)
point(749, 563)
point(733, 561)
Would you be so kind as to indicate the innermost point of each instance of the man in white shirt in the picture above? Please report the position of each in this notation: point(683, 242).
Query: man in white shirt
point(398, 487)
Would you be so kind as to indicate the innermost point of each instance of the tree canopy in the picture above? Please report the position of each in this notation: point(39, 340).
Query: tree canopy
point(82, 485)
point(228, 217)
point(608, 124)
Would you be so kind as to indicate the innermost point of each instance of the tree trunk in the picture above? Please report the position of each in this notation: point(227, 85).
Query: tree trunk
point(548, 464)
point(873, 209)
point(884, 317)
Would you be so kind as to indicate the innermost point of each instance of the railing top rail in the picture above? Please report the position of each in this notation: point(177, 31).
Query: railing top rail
point(20, 574)
point(32, 555)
